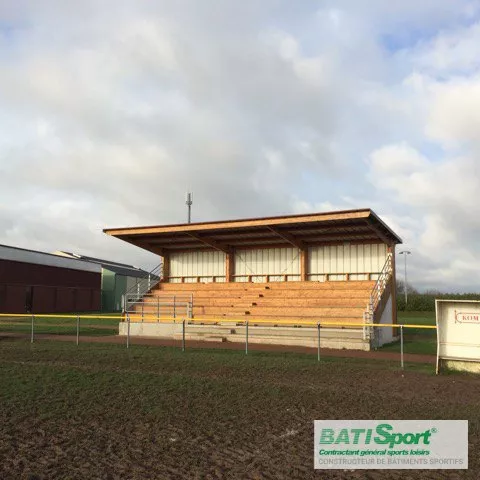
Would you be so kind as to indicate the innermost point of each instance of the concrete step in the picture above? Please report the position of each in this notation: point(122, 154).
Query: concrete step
point(282, 331)
point(329, 337)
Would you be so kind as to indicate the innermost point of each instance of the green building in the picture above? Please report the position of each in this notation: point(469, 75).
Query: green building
point(117, 279)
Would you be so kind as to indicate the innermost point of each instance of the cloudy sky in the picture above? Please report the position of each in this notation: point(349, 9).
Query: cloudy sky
point(110, 111)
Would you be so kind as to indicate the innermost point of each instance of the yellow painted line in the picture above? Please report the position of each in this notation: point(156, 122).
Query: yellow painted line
point(53, 315)
point(155, 319)
point(193, 321)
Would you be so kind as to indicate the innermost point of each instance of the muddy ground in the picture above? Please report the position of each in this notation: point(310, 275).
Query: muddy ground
point(102, 411)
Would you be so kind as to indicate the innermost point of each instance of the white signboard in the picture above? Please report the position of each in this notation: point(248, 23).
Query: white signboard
point(390, 444)
point(458, 334)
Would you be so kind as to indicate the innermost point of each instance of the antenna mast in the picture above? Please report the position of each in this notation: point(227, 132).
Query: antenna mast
point(189, 202)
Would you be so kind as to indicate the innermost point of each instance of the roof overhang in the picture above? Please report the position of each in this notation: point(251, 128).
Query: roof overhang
point(299, 231)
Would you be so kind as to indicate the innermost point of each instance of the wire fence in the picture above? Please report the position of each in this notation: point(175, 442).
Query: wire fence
point(37, 326)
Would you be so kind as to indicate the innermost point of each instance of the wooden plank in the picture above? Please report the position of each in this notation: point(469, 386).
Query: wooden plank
point(379, 233)
point(287, 237)
point(233, 224)
point(229, 266)
point(211, 243)
point(303, 265)
point(284, 311)
point(166, 266)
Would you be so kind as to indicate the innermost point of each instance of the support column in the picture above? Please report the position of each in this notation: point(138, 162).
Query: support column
point(304, 265)
point(229, 265)
point(166, 266)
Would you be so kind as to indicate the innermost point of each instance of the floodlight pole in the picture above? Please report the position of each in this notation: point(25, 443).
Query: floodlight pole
point(405, 253)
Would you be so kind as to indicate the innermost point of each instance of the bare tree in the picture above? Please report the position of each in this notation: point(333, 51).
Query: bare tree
point(401, 288)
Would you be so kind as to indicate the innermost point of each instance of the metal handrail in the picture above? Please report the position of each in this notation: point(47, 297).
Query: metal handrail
point(266, 276)
point(377, 293)
point(179, 308)
point(381, 282)
point(143, 284)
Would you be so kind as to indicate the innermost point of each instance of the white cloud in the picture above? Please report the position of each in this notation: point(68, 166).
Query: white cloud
point(397, 160)
point(451, 51)
point(111, 110)
point(455, 113)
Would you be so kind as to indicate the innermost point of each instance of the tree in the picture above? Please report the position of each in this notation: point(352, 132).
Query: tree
point(433, 291)
point(401, 288)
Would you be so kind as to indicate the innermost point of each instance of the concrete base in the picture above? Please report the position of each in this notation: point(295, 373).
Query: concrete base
point(459, 365)
point(338, 338)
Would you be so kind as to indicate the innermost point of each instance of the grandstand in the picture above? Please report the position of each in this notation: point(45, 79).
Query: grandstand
point(282, 275)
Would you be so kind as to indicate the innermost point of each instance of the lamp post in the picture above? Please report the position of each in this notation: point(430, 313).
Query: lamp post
point(405, 253)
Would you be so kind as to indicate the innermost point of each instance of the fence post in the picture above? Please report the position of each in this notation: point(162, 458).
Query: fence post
point(128, 330)
point(158, 309)
point(318, 328)
point(148, 282)
point(183, 335)
point(174, 308)
point(364, 330)
point(78, 329)
point(401, 345)
point(191, 305)
point(246, 337)
point(142, 308)
point(31, 338)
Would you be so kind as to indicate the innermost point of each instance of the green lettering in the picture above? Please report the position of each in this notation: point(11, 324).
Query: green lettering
point(426, 437)
point(382, 430)
point(356, 434)
point(410, 438)
point(326, 437)
point(395, 439)
point(343, 437)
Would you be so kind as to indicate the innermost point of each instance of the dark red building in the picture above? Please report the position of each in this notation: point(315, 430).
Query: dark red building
point(37, 282)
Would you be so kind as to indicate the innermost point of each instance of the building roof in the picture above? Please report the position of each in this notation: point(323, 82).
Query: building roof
point(24, 255)
point(115, 267)
point(291, 230)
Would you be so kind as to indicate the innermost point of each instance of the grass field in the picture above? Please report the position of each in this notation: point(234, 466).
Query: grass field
point(416, 340)
point(102, 411)
point(93, 325)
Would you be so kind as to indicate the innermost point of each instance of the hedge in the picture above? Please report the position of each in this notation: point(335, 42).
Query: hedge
point(418, 302)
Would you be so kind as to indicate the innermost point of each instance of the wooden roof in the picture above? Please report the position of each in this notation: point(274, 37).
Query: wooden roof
point(291, 230)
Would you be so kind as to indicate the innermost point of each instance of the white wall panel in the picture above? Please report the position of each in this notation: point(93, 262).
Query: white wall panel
point(352, 259)
point(198, 264)
point(268, 261)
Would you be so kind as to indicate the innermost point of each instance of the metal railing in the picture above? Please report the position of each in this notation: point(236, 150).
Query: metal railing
point(158, 306)
point(316, 326)
point(274, 277)
point(143, 285)
point(381, 283)
point(375, 297)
